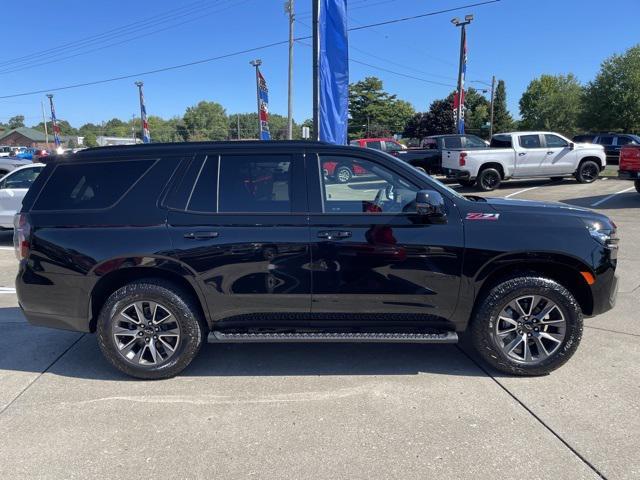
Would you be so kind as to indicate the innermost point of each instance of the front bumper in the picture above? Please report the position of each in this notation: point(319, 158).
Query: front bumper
point(604, 292)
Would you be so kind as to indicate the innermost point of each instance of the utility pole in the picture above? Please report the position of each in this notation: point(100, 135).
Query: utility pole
point(462, 66)
point(256, 63)
point(315, 14)
point(493, 92)
point(44, 121)
point(288, 8)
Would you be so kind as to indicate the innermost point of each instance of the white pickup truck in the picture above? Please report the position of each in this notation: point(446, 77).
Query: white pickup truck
point(524, 155)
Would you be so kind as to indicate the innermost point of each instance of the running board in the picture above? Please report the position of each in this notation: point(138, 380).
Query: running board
point(222, 337)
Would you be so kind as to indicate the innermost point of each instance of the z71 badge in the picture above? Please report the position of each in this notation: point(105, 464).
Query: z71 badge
point(483, 216)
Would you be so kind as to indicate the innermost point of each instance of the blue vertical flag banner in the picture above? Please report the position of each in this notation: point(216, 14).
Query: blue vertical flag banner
point(334, 72)
point(146, 135)
point(263, 105)
point(464, 74)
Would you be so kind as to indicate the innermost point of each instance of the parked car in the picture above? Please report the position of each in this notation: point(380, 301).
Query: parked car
point(33, 154)
point(341, 172)
point(9, 164)
point(524, 155)
point(612, 143)
point(385, 144)
point(629, 168)
point(157, 248)
point(13, 188)
point(5, 151)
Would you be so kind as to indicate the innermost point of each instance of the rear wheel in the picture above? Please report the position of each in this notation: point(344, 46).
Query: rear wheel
point(637, 184)
point(488, 179)
point(527, 325)
point(587, 172)
point(150, 329)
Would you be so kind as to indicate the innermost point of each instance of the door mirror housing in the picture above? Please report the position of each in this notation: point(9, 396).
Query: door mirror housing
point(572, 145)
point(430, 204)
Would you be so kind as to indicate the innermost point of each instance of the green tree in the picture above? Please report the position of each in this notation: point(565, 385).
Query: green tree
point(552, 102)
point(437, 121)
point(502, 119)
point(206, 121)
point(16, 121)
point(116, 128)
point(90, 139)
point(612, 99)
point(374, 112)
point(249, 126)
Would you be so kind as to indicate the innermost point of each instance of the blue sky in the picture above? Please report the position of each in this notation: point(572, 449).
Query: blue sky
point(516, 40)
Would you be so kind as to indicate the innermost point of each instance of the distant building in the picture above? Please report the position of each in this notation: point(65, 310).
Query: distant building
point(103, 141)
point(30, 137)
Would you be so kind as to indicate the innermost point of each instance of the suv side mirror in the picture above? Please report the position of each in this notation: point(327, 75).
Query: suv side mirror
point(572, 145)
point(430, 204)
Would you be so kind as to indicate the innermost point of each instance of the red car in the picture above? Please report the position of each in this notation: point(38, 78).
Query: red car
point(341, 173)
point(388, 145)
point(629, 168)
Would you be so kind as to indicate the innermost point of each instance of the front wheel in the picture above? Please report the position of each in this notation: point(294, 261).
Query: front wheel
point(150, 329)
point(527, 325)
point(343, 174)
point(637, 184)
point(587, 172)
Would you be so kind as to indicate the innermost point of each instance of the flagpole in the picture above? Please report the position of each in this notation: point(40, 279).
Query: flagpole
point(256, 63)
point(315, 12)
point(144, 125)
point(462, 66)
point(54, 122)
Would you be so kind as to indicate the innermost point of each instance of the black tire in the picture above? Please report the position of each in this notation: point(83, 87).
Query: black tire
point(588, 172)
point(467, 183)
point(343, 174)
point(557, 179)
point(178, 303)
point(488, 179)
point(489, 307)
point(637, 184)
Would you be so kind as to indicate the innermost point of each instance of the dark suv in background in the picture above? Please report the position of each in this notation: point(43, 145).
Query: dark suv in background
point(158, 248)
point(612, 142)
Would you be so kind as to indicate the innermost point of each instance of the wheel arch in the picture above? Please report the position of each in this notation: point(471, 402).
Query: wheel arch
point(113, 279)
point(497, 165)
point(593, 158)
point(563, 269)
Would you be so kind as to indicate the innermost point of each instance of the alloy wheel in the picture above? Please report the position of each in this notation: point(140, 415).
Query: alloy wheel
point(146, 333)
point(490, 180)
point(530, 329)
point(589, 172)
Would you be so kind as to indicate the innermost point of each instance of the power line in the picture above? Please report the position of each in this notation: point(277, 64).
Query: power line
point(236, 53)
point(57, 58)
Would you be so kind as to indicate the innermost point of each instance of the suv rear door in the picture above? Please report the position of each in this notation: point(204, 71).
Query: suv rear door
point(530, 154)
point(238, 219)
point(371, 253)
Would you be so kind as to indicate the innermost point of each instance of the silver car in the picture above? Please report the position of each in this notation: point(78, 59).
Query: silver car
point(13, 188)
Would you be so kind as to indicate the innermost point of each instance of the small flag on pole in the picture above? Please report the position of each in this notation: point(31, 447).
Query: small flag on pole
point(146, 135)
point(54, 122)
point(464, 74)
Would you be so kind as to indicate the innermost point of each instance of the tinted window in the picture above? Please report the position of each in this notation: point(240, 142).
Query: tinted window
point(605, 140)
point(501, 141)
point(584, 138)
point(21, 179)
point(258, 184)
point(392, 147)
point(474, 142)
point(529, 141)
point(89, 185)
point(183, 187)
point(203, 196)
point(624, 141)
point(377, 145)
point(430, 143)
point(452, 142)
point(554, 141)
point(366, 187)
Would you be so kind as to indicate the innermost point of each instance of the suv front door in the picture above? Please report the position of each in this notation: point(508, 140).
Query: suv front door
point(371, 253)
point(238, 220)
point(559, 158)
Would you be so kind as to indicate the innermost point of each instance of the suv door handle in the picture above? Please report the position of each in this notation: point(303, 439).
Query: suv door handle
point(549, 153)
point(522, 153)
point(334, 235)
point(200, 235)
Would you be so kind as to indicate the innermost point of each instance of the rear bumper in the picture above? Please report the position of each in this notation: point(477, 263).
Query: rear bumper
point(629, 174)
point(457, 174)
point(52, 320)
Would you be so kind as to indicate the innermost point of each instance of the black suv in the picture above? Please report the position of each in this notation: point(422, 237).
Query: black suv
point(612, 142)
point(160, 247)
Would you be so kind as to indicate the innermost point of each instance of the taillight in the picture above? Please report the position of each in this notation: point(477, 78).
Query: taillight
point(21, 235)
point(463, 159)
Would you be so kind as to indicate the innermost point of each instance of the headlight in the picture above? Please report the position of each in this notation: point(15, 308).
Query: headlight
point(603, 233)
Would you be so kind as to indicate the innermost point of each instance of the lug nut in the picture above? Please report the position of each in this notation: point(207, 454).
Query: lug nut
point(537, 329)
point(140, 333)
point(157, 329)
point(529, 334)
point(155, 337)
point(146, 339)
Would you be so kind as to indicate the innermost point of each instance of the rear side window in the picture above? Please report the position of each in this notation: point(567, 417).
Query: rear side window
point(90, 185)
point(375, 144)
point(606, 140)
point(501, 141)
point(624, 141)
point(530, 141)
point(255, 184)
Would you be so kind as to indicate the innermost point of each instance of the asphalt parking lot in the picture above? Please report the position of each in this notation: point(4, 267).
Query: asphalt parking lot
point(332, 411)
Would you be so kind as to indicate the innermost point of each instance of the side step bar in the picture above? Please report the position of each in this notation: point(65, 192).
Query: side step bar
point(222, 337)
